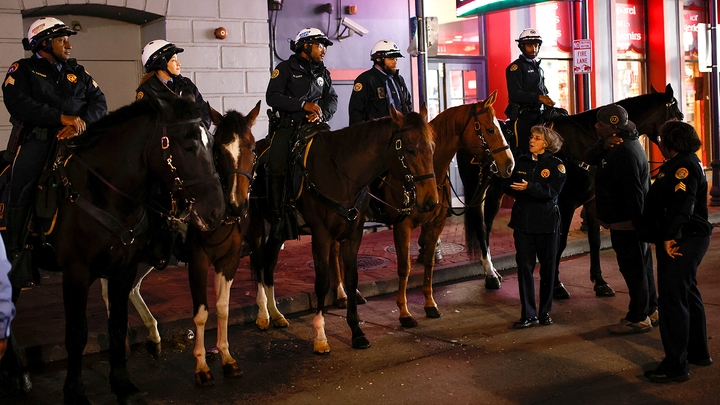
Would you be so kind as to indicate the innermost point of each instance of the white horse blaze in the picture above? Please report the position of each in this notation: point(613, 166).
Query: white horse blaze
point(222, 291)
point(233, 149)
point(205, 137)
point(199, 350)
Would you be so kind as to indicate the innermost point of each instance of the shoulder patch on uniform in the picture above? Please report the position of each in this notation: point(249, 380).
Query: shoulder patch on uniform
point(72, 78)
point(513, 67)
point(275, 74)
point(680, 186)
point(681, 173)
point(13, 68)
point(9, 80)
point(660, 175)
point(545, 173)
point(139, 95)
point(357, 87)
point(561, 168)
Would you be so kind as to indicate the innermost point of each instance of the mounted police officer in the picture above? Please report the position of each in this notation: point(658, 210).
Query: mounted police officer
point(48, 96)
point(375, 90)
point(163, 79)
point(300, 91)
point(526, 88)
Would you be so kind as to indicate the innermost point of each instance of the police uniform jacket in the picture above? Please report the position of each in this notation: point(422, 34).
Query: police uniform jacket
point(525, 84)
point(155, 87)
point(296, 81)
point(676, 204)
point(37, 94)
point(535, 209)
point(622, 179)
point(369, 99)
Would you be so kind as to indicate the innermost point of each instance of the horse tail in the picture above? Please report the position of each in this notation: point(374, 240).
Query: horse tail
point(470, 177)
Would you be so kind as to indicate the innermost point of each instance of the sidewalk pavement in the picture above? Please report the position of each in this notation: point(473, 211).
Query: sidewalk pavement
point(39, 325)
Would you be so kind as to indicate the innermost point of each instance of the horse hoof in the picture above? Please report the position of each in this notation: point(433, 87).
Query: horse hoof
point(341, 303)
point(204, 379)
point(321, 348)
point(231, 370)
point(604, 291)
point(408, 322)
point(359, 298)
point(560, 292)
point(360, 342)
point(493, 283)
point(262, 323)
point(280, 322)
point(432, 312)
point(153, 348)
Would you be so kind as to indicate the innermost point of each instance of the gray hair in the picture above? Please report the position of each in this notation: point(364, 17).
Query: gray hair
point(553, 139)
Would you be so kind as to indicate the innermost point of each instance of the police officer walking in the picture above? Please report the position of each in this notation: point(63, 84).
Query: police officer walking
point(163, 79)
point(375, 90)
point(300, 91)
point(527, 93)
point(48, 96)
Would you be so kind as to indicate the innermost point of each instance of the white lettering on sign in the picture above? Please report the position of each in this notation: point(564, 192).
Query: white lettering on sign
point(622, 9)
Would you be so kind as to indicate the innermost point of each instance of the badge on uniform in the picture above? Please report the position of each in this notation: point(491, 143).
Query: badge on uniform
point(545, 173)
point(381, 92)
point(680, 186)
point(561, 168)
point(513, 67)
point(275, 74)
point(660, 175)
point(13, 68)
point(357, 87)
point(72, 78)
point(320, 81)
point(681, 173)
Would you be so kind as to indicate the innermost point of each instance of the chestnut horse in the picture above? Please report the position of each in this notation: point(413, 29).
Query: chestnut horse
point(474, 128)
point(648, 112)
point(339, 166)
point(102, 225)
point(234, 159)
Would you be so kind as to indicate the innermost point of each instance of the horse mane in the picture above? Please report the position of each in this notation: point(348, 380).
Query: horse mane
point(233, 121)
point(359, 134)
point(447, 122)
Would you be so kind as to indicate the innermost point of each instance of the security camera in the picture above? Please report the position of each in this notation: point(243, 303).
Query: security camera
point(353, 26)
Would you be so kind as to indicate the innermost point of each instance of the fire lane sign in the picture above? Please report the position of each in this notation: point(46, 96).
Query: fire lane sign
point(582, 56)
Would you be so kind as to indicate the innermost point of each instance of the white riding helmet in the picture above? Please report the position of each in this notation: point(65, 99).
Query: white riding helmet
point(529, 35)
point(385, 49)
point(157, 53)
point(309, 35)
point(45, 28)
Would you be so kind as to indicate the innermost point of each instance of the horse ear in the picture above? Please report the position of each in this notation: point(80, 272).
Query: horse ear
point(396, 116)
point(161, 107)
point(424, 111)
point(668, 90)
point(253, 114)
point(652, 89)
point(187, 95)
point(491, 100)
point(215, 116)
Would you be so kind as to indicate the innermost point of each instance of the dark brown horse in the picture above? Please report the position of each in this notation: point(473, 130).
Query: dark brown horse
point(102, 226)
point(474, 128)
point(338, 168)
point(648, 112)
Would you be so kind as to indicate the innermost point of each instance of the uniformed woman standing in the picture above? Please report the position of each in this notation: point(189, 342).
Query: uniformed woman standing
point(300, 91)
point(675, 218)
point(537, 180)
point(163, 79)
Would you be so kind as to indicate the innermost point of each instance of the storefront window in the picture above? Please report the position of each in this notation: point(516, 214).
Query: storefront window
point(694, 14)
point(630, 21)
point(554, 21)
point(456, 36)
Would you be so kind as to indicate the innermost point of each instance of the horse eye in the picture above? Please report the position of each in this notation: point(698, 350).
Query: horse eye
point(491, 131)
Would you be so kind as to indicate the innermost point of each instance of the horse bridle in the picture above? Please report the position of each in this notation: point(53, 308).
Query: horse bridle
point(409, 192)
point(474, 113)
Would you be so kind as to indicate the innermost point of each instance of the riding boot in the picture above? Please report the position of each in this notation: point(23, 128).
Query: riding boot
point(275, 197)
point(22, 274)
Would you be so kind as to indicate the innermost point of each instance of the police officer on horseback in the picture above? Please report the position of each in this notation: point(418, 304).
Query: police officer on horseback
point(163, 79)
point(378, 88)
point(48, 96)
point(526, 88)
point(300, 91)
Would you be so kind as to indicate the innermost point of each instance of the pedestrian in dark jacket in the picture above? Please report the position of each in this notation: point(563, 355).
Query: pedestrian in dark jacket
point(49, 96)
point(675, 218)
point(621, 181)
point(163, 79)
point(537, 180)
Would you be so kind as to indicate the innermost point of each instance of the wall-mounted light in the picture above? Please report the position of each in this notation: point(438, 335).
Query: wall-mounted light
point(76, 26)
point(221, 33)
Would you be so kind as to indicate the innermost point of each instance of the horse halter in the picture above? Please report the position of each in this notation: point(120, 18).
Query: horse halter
point(409, 190)
point(178, 183)
point(474, 113)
